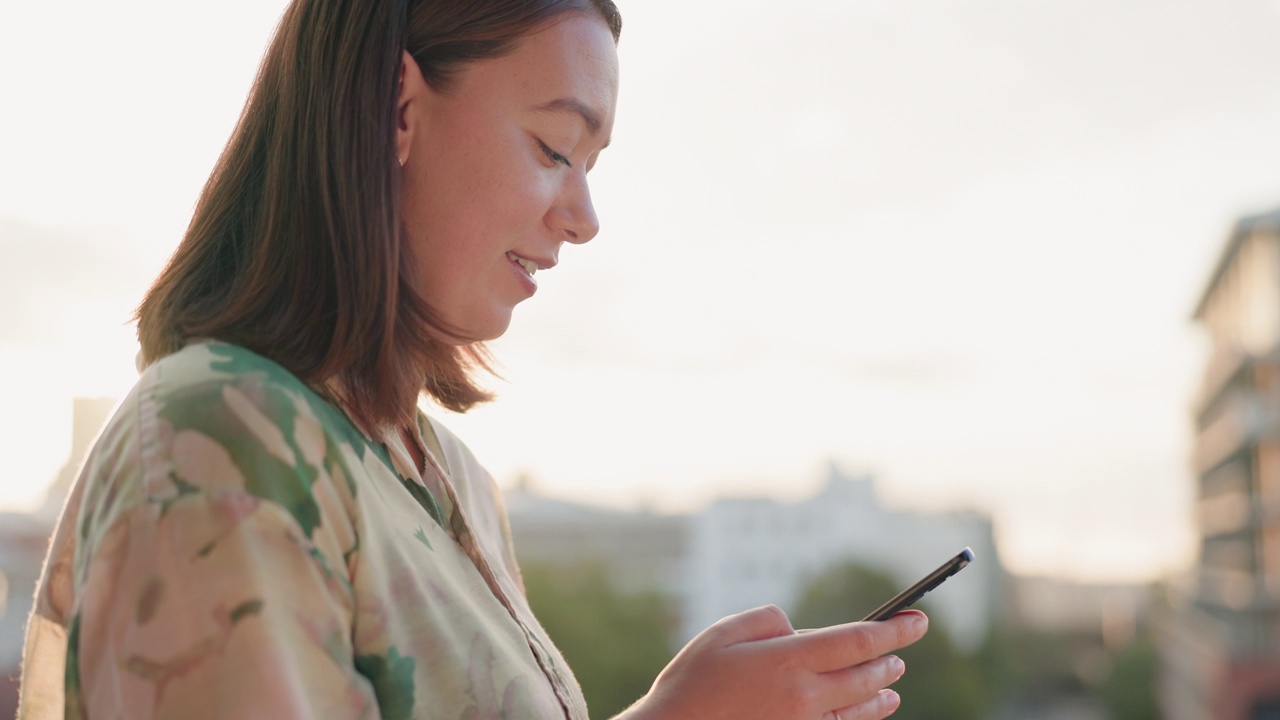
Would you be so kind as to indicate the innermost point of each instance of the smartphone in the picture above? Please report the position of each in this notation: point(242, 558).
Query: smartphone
point(908, 597)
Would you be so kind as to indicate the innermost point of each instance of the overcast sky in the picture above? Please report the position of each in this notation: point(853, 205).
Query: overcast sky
point(955, 243)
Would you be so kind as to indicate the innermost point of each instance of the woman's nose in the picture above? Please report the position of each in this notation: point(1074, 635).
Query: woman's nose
point(575, 215)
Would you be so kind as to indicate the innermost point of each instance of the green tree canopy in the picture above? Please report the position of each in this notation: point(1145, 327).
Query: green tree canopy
point(616, 644)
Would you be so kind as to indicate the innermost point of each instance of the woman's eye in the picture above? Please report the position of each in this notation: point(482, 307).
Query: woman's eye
point(554, 156)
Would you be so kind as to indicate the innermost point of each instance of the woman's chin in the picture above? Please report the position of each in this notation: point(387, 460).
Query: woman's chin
point(491, 328)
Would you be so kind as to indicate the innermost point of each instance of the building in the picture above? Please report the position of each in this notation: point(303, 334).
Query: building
point(88, 416)
point(1220, 645)
point(740, 553)
point(641, 551)
point(1112, 612)
point(24, 540)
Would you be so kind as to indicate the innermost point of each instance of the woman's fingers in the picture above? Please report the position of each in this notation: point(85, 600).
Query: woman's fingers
point(850, 664)
point(844, 646)
point(881, 706)
point(754, 664)
point(760, 623)
point(863, 685)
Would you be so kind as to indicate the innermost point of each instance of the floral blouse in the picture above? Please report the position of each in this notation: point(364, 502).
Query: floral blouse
point(235, 547)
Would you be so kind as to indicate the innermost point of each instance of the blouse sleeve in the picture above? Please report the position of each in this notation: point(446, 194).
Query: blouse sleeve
point(220, 586)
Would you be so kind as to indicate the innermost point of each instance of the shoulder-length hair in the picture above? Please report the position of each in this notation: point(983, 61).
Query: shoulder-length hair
point(296, 249)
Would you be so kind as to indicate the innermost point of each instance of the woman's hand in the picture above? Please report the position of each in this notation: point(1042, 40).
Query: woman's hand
point(754, 665)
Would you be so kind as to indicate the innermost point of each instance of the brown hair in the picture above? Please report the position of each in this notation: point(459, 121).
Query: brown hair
point(296, 249)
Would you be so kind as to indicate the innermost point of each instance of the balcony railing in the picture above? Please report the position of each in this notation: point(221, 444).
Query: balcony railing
point(1226, 513)
point(1234, 590)
point(1223, 365)
point(1241, 422)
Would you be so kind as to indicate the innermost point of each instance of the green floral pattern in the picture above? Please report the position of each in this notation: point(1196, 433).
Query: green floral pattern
point(236, 547)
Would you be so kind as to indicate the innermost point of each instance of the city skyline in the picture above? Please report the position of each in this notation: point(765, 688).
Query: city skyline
point(956, 245)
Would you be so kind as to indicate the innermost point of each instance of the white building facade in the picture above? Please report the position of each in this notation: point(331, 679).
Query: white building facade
point(741, 553)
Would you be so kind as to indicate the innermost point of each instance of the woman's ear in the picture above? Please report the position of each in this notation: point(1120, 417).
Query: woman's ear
point(412, 93)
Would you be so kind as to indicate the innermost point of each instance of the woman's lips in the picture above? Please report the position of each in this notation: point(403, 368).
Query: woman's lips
point(524, 270)
point(529, 266)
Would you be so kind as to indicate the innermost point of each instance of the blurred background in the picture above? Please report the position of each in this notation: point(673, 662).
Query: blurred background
point(877, 280)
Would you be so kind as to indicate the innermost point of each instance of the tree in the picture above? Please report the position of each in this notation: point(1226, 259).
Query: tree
point(1129, 692)
point(939, 683)
point(616, 644)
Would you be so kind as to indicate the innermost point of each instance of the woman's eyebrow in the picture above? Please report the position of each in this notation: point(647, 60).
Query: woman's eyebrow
point(573, 105)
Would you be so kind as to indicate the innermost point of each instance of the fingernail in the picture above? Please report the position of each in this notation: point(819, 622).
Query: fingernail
point(896, 666)
point(891, 700)
point(919, 622)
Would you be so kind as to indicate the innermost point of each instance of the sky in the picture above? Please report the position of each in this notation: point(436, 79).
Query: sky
point(952, 243)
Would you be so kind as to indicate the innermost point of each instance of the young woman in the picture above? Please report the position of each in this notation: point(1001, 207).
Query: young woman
point(269, 527)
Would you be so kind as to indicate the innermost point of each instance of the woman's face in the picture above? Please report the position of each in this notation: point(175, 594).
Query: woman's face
point(495, 168)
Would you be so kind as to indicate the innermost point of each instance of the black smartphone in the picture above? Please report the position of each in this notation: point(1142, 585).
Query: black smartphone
point(908, 597)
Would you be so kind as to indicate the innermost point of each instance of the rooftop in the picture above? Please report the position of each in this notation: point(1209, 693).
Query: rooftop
point(1244, 228)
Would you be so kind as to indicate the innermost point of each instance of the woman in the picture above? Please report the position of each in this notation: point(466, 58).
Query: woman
point(268, 526)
